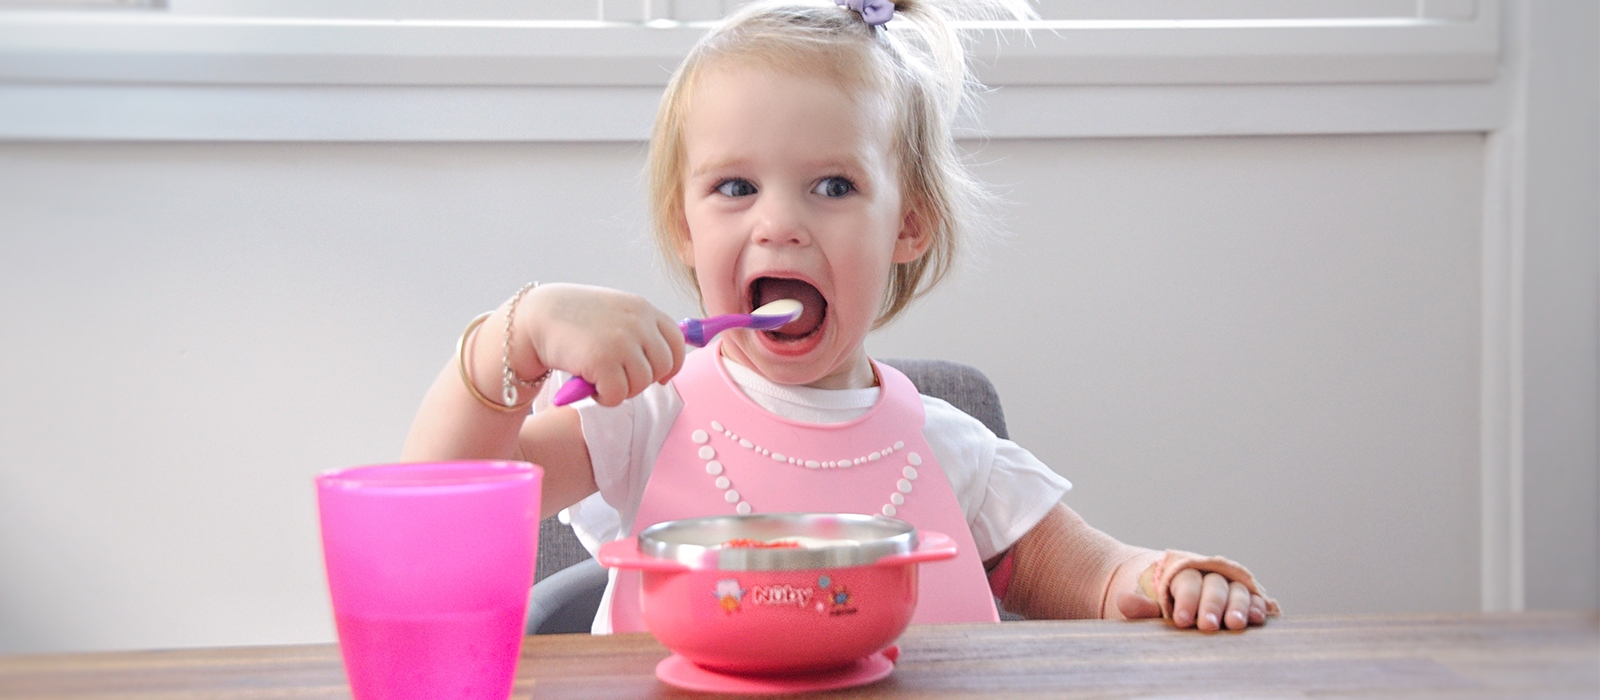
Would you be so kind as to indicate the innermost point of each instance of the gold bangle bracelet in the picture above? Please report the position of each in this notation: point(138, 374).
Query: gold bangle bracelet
point(466, 377)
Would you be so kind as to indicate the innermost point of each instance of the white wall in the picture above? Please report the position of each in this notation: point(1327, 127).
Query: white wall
point(193, 331)
point(1213, 337)
point(1271, 347)
point(1260, 346)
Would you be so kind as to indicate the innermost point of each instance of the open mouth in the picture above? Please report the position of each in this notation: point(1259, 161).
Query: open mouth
point(764, 290)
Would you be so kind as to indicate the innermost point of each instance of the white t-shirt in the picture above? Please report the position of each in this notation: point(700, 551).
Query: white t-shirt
point(1003, 489)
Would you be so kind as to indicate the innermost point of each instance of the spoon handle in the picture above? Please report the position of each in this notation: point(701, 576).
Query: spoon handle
point(696, 332)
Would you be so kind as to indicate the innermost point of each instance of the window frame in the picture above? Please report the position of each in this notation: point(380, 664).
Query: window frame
point(193, 76)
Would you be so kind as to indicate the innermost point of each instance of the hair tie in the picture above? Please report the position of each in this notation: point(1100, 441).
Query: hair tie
point(873, 12)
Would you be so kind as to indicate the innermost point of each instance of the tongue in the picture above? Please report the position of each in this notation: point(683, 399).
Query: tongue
point(770, 289)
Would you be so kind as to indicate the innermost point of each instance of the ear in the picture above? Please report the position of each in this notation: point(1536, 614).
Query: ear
point(913, 239)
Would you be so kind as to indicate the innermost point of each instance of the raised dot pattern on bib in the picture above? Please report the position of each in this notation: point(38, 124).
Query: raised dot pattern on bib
point(716, 470)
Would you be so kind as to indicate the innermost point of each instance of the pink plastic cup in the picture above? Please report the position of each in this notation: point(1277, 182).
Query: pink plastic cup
point(429, 566)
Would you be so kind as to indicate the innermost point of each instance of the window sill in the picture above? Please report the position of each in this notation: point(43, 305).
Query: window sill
point(147, 75)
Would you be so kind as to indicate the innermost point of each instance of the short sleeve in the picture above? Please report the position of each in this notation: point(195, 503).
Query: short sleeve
point(608, 433)
point(1020, 491)
point(1002, 488)
point(623, 443)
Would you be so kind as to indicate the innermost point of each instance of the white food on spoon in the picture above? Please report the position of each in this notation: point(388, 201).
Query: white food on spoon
point(781, 307)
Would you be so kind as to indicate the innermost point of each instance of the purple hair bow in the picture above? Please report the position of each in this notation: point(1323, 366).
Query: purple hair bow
point(873, 12)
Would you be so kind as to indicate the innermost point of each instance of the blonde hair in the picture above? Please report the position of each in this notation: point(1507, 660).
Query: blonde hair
point(917, 63)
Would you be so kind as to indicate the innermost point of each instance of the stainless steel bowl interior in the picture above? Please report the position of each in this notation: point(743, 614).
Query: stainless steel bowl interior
point(697, 541)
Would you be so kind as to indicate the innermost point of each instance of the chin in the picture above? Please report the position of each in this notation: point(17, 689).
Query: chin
point(781, 364)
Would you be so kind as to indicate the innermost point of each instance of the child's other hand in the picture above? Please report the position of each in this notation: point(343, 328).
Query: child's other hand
point(1207, 593)
point(618, 341)
point(1207, 602)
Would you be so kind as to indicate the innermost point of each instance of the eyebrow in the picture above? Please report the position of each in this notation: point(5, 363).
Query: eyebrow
point(715, 165)
point(850, 165)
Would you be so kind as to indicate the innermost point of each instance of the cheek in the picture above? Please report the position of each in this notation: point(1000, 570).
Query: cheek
point(715, 262)
point(868, 275)
point(700, 241)
point(866, 260)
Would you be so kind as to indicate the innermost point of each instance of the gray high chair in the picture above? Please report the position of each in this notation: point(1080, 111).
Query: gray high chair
point(568, 582)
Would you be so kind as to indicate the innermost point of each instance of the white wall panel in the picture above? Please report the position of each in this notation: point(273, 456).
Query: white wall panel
point(1262, 346)
point(1562, 355)
point(193, 331)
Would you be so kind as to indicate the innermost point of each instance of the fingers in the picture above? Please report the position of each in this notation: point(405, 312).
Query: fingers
point(617, 341)
point(1237, 616)
point(1213, 601)
point(627, 376)
point(1210, 602)
point(651, 357)
point(676, 349)
point(610, 384)
point(1185, 590)
point(1199, 600)
point(657, 357)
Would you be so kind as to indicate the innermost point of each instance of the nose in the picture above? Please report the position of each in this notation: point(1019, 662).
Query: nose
point(779, 220)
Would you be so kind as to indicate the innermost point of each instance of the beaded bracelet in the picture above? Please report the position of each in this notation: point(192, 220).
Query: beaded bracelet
point(508, 377)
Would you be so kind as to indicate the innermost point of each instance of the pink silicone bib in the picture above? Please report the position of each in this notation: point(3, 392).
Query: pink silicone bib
point(727, 455)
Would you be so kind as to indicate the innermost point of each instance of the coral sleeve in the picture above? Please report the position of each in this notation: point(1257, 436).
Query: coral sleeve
point(1061, 569)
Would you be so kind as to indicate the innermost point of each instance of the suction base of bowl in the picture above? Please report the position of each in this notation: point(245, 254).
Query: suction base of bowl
point(683, 673)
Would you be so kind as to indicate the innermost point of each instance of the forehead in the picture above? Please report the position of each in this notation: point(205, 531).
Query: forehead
point(740, 111)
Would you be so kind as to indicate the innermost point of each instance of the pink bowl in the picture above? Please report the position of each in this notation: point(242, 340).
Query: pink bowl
point(778, 610)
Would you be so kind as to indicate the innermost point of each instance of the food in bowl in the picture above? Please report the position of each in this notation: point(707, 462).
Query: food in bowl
point(787, 543)
point(778, 593)
point(758, 544)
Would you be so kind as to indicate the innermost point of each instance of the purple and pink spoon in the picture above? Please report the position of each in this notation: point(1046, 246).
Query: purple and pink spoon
point(698, 332)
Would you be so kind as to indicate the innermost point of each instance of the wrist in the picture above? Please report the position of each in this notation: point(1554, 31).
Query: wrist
point(500, 369)
point(468, 360)
point(520, 368)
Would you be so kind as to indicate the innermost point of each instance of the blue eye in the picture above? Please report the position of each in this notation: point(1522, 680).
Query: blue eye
point(736, 188)
point(834, 187)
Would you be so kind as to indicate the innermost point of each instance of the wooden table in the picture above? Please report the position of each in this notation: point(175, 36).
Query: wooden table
point(1523, 655)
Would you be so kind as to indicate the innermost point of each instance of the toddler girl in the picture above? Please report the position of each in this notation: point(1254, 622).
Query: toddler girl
point(801, 152)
